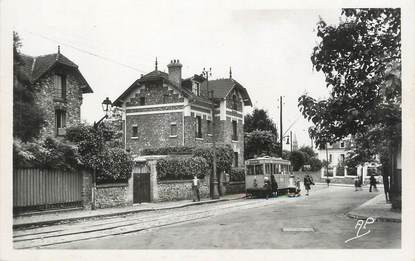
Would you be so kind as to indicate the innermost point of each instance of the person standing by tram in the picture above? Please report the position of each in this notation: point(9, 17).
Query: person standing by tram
point(308, 181)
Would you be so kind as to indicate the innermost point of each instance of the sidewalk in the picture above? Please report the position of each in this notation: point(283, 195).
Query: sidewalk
point(49, 218)
point(376, 208)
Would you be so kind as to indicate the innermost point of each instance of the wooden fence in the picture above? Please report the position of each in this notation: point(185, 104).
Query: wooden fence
point(46, 188)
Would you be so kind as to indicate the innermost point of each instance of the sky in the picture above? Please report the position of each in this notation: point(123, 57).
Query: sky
point(114, 42)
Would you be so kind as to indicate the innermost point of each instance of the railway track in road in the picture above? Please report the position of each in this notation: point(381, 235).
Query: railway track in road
point(59, 234)
point(132, 223)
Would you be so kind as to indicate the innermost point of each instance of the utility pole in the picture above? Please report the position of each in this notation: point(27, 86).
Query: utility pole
point(327, 165)
point(281, 134)
point(291, 140)
point(214, 178)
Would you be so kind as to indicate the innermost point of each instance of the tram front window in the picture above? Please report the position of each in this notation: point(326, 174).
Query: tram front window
point(250, 170)
point(258, 170)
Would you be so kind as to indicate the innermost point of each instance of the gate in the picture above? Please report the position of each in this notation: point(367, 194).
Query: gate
point(141, 184)
point(42, 189)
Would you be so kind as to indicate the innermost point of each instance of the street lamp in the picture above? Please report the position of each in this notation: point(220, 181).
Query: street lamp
point(214, 179)
point(106, 107)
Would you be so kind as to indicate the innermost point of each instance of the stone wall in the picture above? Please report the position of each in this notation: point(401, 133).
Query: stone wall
point(45, 88)
point(111, 195)
point(180, 189)
point(235, 187)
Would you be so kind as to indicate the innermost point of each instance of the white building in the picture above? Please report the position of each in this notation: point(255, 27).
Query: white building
point(336, 154)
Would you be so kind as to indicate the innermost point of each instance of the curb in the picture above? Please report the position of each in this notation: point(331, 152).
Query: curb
point(377, 219)
point(55, 221)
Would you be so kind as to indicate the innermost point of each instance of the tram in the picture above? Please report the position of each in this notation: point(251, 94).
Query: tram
point(258, 170)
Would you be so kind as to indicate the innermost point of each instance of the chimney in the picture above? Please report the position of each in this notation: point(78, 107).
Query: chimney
point(175, 72)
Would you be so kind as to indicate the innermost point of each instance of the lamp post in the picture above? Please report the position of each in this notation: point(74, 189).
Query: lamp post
point(106, 107)
point(214, 178)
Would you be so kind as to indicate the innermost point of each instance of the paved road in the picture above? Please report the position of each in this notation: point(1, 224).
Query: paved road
point(317, 221)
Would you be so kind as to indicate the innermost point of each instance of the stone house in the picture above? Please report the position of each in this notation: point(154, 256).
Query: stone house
point(59, 86)
point(164, 110)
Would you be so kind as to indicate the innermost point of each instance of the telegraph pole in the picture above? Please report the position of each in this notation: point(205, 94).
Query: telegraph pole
point(291, 139)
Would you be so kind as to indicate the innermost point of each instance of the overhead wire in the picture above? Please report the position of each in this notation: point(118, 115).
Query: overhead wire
point(87, 52)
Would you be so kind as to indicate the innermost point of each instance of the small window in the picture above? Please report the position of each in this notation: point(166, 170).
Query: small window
point(135, 132)
point(60, 116)
point(235, 158)
point(60, 86)
point(173, 129)
point(142, 100)
point(209, 126)
point(234, 102)
point(234, 130)
point(198, 127)
point(341, 144)
point(330, 158)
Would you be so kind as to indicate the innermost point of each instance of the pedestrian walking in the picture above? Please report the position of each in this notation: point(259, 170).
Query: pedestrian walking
point(298, 186)
point(267, 187)
point(195, 189)
point(274, 185)
point(356, 184)
point(372, 183)
point(308, 181)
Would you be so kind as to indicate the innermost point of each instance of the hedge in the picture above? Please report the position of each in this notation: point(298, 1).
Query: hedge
point(237, 174)
point(181, 168)
point(168, 150)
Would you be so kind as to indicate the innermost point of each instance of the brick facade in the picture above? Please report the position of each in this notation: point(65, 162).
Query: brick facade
point(163, 110)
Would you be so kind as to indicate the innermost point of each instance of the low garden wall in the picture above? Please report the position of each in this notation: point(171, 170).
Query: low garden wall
point(235, 187)
point(111, 195)
point(316, 175)
point(169, 190)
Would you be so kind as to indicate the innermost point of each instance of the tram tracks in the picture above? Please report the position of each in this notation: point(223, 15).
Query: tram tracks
point(42, 237)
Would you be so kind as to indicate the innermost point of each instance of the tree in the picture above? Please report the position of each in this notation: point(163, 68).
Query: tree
point(308, 153)
point(28, 117)
point(260, 134)
point(361, 60)
point(297, 159)
point(260, 142)
point(259, 120)
point(310, 158)
point(97, 152)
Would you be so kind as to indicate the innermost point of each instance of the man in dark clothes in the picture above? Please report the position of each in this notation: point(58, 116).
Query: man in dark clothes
point(373, 183)
point(308, 181)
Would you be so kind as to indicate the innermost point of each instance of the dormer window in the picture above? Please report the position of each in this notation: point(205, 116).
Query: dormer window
point(234, 102)
point(60, 86)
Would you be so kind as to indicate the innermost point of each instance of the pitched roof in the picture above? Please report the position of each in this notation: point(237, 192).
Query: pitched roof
point(36, 67)
point(151, 76)
point(222, 87)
